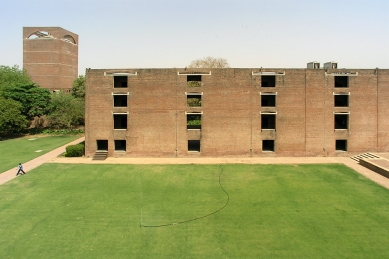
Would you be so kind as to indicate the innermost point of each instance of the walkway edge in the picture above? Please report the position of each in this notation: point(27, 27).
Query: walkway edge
point(28, 166)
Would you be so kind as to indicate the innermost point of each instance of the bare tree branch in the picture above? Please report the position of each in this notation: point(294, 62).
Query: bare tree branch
point(209, 62)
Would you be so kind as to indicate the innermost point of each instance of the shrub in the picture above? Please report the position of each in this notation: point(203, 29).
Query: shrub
point(75, 150)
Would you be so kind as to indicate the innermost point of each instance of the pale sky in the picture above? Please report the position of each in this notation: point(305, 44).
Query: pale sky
point(172, 33)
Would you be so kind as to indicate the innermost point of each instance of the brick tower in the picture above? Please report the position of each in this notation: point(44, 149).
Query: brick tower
point(50, 56)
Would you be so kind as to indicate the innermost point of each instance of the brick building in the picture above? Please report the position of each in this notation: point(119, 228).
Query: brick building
point(50, 56)
point(237, 112)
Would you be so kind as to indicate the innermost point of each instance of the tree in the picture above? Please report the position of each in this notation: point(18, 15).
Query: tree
point(11, 118)
point(78, 89)
point(13, 76)
point(209, 62)
point(35, 101)
point(66, 111)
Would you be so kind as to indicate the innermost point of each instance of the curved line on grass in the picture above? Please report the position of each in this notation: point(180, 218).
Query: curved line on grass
point(197, 218)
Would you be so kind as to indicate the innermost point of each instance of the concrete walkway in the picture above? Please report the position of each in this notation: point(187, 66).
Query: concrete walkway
point(52, 157)
point(11, 174)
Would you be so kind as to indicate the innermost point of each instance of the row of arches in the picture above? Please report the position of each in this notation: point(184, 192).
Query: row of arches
point(47, 35)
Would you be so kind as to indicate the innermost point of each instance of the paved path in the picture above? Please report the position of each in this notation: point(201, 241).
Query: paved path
point(52, 157)
point(10, 174)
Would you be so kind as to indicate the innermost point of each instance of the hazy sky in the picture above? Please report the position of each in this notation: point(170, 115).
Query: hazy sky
point(171, 33)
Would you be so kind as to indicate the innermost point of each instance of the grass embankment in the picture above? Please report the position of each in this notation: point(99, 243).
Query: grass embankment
point(275, 211)
point(21, 150)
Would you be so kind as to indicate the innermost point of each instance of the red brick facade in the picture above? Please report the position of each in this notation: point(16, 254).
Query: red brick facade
point(50, 56)
point(244, 112)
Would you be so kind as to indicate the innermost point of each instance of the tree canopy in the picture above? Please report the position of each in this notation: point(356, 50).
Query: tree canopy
point(66, 111)
point(209, 62)
point(13, 76)
point(78, 89)
point(11, 118)
point(35, 101)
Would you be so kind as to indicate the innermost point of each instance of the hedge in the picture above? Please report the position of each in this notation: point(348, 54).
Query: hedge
point(75, 150)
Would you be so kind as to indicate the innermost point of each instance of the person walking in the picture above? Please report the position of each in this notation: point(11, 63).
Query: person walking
point(20, 167)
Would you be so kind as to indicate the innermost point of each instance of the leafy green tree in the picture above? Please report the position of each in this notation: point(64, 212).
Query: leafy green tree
point(35, 101)
point(13, 76)
point(11, 118)
point(78, 89)
point(66, 111)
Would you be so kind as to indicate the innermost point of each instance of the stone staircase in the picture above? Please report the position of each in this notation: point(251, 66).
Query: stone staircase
point(100, 155)
point(364, 155)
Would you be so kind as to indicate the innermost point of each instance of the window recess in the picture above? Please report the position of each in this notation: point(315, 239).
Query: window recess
point(341, 99)
point(120, 100)
point(268, 99)
point(120, 145)
point(193, 99)
point(267, 145)
point(193, 145)
point(268, 120)
point(341, 121)
point(341, 145)
point(193, 81)
point(193, 121)
point(120, 121)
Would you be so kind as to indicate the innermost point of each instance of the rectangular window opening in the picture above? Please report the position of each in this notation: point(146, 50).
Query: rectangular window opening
point(193, 121)
point(120, 121)
point(120, 81)
point(268, 145)
point(193, 100)
point(341, 145)
point(268, 100)
point(194, 145)
point(341, 100)
point(268, 81)
point(193, 80)
point(102, 145)
point(120, 145)
point(341, 121)
point(268, 121)
point(120, 100)
point(341, 81)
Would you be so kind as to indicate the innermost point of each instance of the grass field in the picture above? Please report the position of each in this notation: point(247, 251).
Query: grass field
point(21, 150)
point(274, 211)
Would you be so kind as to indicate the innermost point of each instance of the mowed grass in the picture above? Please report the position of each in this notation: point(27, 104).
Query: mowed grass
point(21, 150)
point(274, 211)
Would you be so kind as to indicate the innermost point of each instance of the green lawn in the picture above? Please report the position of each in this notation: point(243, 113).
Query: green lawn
point(21, 150)
point(274, 211)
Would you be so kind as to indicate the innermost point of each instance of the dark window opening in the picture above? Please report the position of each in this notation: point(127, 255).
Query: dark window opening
point(268, 121)
point(193, 121)
point(120, 121)
point(341, 81)
point(193, 80)
point(194, 145)
point(102, 145)
point(341, 100)
point(341, 145)
point(120, 101)
point(268, 100)
point(120, 145)
point(268, 145)
point(120, 81)
point(341, 121)
point(268, 81)
point(193, 100)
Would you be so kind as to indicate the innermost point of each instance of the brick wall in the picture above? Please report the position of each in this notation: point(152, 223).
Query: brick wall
point(231, 112)
point(51, 62)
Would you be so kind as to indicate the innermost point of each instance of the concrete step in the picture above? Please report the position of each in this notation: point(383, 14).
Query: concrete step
point(100, 155)
point(365, 156)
